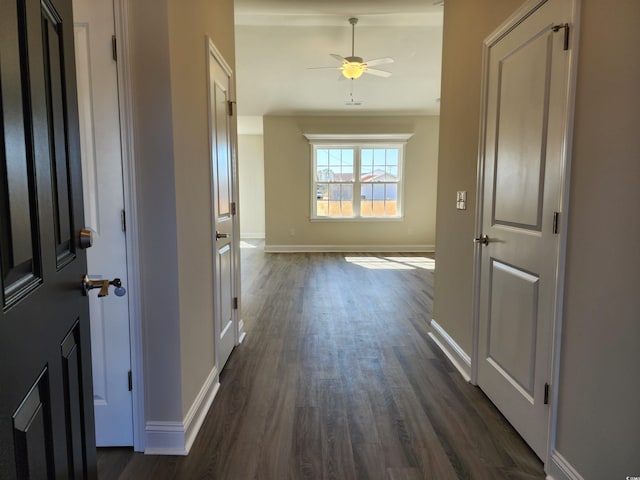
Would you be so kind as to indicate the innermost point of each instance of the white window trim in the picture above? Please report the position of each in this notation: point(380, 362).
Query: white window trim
point(357, 141)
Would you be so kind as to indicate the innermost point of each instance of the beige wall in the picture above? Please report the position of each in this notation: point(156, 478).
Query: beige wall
point(466, 24)
point(251, 180)
point(598, 418)
point(189, 23)
point(154, 164)
point(288, 176)
point(174, 193)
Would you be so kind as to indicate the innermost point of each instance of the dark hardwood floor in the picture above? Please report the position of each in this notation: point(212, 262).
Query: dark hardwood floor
point(337, 379)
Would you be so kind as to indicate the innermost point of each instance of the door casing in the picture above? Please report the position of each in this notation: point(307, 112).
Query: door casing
point(132, 240)
point(512, 22)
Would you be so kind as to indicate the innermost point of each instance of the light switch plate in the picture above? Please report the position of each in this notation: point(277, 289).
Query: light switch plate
point(461, 200)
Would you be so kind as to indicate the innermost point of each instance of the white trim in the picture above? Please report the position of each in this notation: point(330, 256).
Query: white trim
point(564, 228)
point(220, 59)
point(561, 469)
point(164, 438)
point(132, 238)
point(451, 349)
point(241, 333)
point(357, 137)
point(349, 248)
point(198, 411)
point(176, 438)
point(252, 236)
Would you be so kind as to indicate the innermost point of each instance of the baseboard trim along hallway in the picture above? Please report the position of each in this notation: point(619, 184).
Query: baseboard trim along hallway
point(451, 349)
point(176, 438)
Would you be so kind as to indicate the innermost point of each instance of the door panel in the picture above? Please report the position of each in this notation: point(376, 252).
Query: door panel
point(46, 420)
point(526, 89)
point(57, 138)
point(513, 325)
point(523, 87)
point(222, 198)
point(104, 203)
point(32, 432)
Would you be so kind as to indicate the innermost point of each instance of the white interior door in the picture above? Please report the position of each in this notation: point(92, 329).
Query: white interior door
point(222, 203)
point(104, 203)
point(527, 78)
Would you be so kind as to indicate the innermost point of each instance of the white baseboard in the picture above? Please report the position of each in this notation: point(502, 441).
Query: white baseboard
point(176, 438)
point(561, 469)
point(451, 349)
point(251, 236)
point(348, 248)
point(241, 332)
point(200, 406)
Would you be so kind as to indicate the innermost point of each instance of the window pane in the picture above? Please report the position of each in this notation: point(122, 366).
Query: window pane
point(323, 174)
point(379, 158)
point(366, 156)
point(392, 156)
point(347, 200)
point(335, 158)
point(322, 156)
point(339, 201)
point(347, 171)
point(366, 200)
point(385, 166)
point(322, 200)
point(391, 200)
point(391, 192)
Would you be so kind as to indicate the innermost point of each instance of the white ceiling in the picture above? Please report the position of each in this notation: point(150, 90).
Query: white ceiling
point(278, 40)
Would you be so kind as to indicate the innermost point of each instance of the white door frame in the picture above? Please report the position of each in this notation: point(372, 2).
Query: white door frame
point(130, 205)
point(512, 22)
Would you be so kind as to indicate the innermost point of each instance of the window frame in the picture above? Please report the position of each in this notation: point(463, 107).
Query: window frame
point(357, 142)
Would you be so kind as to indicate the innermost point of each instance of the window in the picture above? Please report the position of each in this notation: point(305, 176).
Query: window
point(356, 177)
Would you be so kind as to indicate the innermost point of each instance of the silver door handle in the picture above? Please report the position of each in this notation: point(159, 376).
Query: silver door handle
point(221, 235)
point(484, 239)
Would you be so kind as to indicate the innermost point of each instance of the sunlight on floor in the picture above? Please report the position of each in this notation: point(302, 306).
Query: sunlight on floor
point(393, 263)
point(244, 244)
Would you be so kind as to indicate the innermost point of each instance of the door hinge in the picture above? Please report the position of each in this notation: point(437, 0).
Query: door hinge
point(230, 105)
point(556, 222)
point(123, 220)
point(114, 50)
point(546, 394)
point(233, 208)
point(565, 26)
point(130, 377)
point(235, 303)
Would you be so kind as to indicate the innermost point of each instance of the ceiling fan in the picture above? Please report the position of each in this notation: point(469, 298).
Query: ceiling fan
point(353, 67)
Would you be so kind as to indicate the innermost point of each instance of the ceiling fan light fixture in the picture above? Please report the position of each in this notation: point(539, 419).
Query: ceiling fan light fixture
point(353, 70)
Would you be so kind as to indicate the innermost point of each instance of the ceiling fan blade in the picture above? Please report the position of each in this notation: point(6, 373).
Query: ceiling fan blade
point(379, 61)
point(322, 68)
point(378, 73)
point(340, 58)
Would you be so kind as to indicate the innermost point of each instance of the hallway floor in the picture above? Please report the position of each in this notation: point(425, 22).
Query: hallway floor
point(338, 379)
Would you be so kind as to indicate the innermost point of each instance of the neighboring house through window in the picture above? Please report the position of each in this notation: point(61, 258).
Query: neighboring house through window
point(357, 176)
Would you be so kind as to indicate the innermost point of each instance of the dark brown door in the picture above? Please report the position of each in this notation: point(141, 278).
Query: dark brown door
point(46, 407)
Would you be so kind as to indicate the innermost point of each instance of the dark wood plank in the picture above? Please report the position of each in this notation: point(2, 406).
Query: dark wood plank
point(338, 378)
